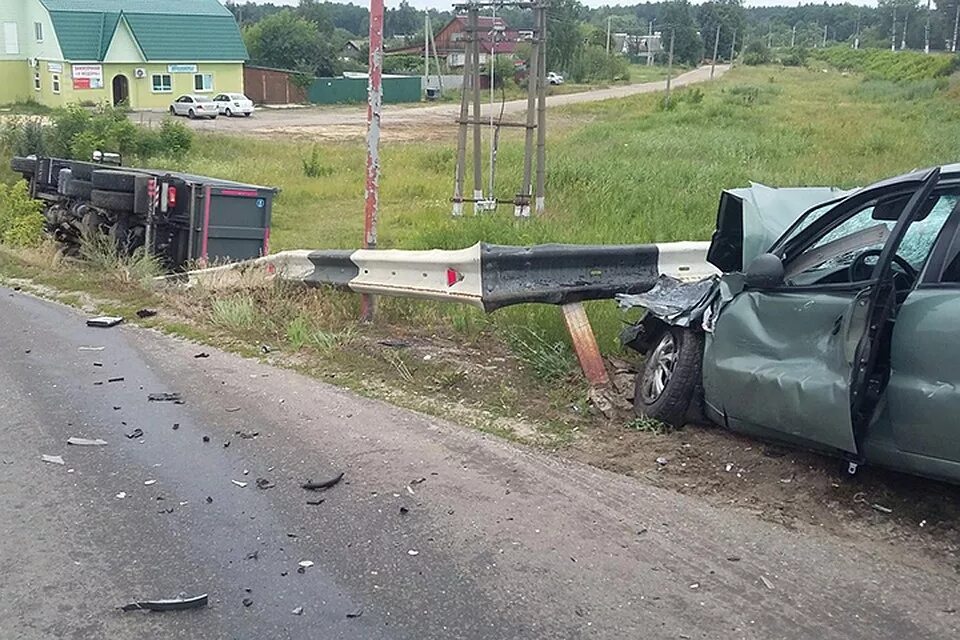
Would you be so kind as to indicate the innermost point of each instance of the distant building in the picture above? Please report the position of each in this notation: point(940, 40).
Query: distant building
point(141, 53)
point(636, 45)
point(352, 50)
point(496, 38)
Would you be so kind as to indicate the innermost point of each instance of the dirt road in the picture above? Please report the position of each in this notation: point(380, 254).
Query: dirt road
point(399, 121)
point(435, 532)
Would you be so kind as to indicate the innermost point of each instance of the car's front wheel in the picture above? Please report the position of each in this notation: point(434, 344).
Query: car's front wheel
point(228, 113)
point(670, 377)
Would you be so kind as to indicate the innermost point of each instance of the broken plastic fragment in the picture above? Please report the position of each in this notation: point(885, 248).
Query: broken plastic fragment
point(52, 459)
point(202, 354)
point(146, 313)
point(164, 397)
point(86, 442)
point(121, 495)
point(90, 348)
point(173, 604)
point(355, 614)
point(413, 552)
point(326, 484)
point(239, 484)
point(136, 433)
point(104, 321)
point(766, 583)
point(305, 564)
point(298, 611)
point(263, 483)
point(149, 482)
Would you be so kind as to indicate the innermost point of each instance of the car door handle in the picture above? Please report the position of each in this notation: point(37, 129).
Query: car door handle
point(837, 324)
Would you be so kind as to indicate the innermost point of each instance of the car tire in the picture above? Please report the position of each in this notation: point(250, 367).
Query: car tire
point(191, 114)
point(112, 200)
point(112, 180)
point(173, 111)
point(213, 117)
point(228, 113)
point(80, 189)
point(25, 166)
point(247, 114)
point(668, 382)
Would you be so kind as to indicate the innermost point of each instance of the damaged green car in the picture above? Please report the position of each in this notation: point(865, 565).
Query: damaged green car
point(832, 324)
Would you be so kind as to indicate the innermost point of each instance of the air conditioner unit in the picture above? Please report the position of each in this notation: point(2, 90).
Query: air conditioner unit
point(33, 62)
point(140, 73)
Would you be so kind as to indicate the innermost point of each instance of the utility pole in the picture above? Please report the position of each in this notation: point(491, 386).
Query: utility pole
point(474, 20)
point(770, 36)
point(716, 47)
point(669, 68)
point(521, 207)
point(856, 38)
point(609, 18)
point(650, 44)
point(893, 32)
point(926, 31)
point(368, 303)
point(903, 41)
point(540, 193)
point(793, 37)
point(824, 43)
point(426, 51)
point(956, 24)
point(733, 48)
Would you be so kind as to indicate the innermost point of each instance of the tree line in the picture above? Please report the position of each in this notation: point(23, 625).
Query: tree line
point(311, 36)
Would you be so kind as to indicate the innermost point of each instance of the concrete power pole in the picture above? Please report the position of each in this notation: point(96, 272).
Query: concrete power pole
point(609, 18)
point(716, 47)
point(856, 37)
point(956, 24)
point(793, 37)
point(733, 48)
point(426, 52)
point(371, 211)
point(669, 68)
point(903, 40)
point(926, 31)
point(824, 43)
point(893, 32)
point(650, 44)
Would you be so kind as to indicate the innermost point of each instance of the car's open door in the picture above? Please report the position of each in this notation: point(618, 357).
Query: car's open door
point(795, 361)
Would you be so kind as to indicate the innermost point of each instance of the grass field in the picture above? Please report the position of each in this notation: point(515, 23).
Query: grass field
point(620, 171)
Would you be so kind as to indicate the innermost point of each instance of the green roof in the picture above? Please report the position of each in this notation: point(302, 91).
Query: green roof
point(187, 30)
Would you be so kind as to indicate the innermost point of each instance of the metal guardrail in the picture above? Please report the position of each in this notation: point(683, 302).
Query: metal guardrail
point(486, 276)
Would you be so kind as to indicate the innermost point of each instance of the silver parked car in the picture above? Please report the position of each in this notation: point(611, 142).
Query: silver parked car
point(194, 106)
point(233, 104)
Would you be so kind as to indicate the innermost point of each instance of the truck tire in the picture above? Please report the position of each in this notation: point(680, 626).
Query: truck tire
point(25, 166)
point(670, 377)
point(111, 180)
point(91, 223)
point(76, 188)
point(112, 200)
point(82, 170)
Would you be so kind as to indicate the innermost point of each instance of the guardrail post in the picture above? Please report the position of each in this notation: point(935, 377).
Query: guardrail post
point(585, 344)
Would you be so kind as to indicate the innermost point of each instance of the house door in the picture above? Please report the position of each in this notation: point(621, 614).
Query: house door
point(121, 91)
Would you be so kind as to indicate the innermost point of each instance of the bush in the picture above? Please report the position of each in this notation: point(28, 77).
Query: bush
point(175, 138)
point(756, 53)
point(23, 136)
point(592, 64)
point(21, 217)
point(313, 166)
point(794, 57)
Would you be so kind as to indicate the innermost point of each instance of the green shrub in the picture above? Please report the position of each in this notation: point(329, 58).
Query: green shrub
point(756, 53)
point(21, 217)
point(880, 64)
point(794, 56)
point(175, 137)
point(593, 64)
point(313, 166)
point(22, 136)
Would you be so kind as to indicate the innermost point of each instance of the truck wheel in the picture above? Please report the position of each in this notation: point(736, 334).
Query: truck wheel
point(111, 180)
point(112, 200)
point(82, 170)
point(91, 224)
point(670, 377)
point(25, 166)
point(76, 188)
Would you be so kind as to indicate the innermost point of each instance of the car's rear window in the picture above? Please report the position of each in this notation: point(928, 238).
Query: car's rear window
point(202, 99)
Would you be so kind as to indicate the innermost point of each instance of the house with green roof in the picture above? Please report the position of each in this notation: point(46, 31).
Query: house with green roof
point(142, 53)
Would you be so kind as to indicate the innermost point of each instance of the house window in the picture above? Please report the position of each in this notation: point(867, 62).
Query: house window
point(11, 43)
point(38, 31)
point(36, 80)
point(55, 78)
point(203, 82)
point(161, 83)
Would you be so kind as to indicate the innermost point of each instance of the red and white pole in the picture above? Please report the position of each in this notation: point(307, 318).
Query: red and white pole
point(374, 105)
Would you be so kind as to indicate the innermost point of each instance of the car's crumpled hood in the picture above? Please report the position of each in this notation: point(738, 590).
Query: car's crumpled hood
point(751, 219)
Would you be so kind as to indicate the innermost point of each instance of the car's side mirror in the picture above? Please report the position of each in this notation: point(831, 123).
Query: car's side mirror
point(765, 271)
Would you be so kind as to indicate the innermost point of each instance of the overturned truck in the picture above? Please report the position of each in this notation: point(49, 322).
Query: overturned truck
point(180, 218)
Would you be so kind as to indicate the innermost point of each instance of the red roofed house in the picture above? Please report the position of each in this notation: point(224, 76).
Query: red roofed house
point(496, 37)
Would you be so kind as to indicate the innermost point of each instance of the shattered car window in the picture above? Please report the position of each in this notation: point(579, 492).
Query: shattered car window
point(916, 245)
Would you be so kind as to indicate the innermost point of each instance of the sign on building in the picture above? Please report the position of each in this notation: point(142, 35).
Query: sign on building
point(87, 76)
point(181, 68)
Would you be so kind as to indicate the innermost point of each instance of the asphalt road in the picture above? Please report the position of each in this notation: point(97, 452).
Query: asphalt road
point(403, 120)
point(498, 541)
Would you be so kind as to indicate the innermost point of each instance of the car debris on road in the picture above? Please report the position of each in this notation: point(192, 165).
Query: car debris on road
point(165, 397)
point(172, 604)
point(86, 442)
point(52, 459)
point(104, 322)
point(136, 433)
point(326, 484)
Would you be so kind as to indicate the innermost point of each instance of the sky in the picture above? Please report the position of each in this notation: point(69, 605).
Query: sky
point(446, 4)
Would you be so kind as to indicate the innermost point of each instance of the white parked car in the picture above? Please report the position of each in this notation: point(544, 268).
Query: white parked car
point(194, 106)
point(233, 104)
point(554, 78)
